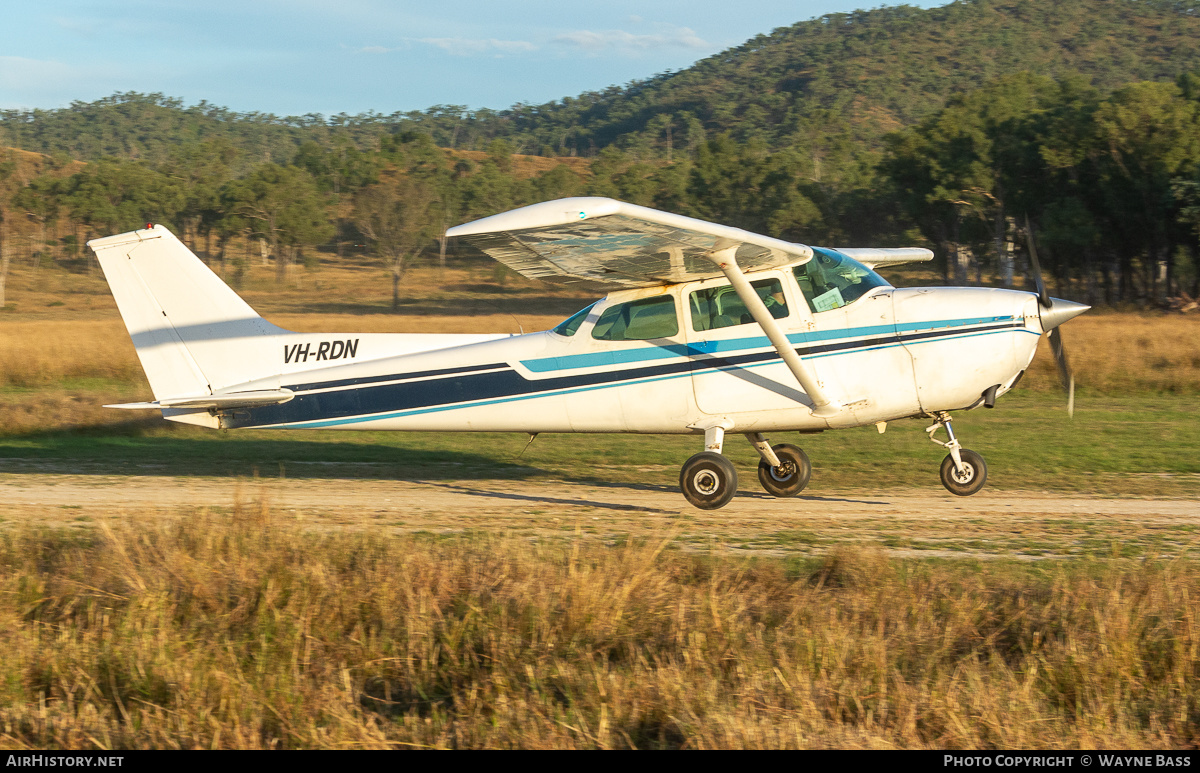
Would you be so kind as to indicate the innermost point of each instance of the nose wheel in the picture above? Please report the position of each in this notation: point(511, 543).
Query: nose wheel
point(963, 471)
point(968, 477)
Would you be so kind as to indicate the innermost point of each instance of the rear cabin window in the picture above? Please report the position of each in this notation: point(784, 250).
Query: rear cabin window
point(832, 280)
point(717, 307)
point(638, 320)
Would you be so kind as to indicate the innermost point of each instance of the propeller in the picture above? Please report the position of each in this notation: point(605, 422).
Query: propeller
point(1052, 315)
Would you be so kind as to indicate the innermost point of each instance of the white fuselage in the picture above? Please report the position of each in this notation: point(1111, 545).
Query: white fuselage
point(892, 353)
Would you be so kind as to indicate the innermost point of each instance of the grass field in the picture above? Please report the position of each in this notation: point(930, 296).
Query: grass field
point(234, 625)
point(1148, 445)
point(241, 631)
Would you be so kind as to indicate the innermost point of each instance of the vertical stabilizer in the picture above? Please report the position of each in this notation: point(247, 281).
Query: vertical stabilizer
point(193, 334)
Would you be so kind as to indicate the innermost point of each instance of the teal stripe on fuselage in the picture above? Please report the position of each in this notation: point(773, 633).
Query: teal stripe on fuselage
point(648, 353)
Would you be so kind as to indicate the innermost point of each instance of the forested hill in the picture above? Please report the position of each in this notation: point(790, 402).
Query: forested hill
point(870, 72)
point(838, 81)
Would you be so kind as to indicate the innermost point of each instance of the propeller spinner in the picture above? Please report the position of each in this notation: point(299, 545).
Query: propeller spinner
point(1053, 312)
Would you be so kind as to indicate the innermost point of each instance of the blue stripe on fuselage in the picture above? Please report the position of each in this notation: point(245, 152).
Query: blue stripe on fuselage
point(648, 353)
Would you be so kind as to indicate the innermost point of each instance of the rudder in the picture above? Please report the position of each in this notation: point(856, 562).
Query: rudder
point(192, 333)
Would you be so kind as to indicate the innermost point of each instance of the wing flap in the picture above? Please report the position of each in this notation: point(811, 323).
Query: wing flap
point(604, 243)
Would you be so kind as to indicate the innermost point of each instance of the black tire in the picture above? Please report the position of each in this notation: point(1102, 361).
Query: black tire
point(708, 480)
point(790, 477)
point(973, 477)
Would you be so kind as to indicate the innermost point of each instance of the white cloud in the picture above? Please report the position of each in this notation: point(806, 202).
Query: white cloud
point(477, 46)
point(597, 41)
point(18, 73)
point(26, 82)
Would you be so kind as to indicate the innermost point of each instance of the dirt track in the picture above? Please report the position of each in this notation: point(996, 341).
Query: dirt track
point(928, 522)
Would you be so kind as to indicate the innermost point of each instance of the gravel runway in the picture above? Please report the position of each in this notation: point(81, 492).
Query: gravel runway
point(922, 522)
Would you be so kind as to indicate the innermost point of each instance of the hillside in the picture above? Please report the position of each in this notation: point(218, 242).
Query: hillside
point(866, 73)
point(832, 83)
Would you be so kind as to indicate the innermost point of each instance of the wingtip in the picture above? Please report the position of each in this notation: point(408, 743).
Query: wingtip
point(546, 213)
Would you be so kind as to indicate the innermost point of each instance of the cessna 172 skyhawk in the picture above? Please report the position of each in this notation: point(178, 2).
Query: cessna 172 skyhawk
point(705, 330)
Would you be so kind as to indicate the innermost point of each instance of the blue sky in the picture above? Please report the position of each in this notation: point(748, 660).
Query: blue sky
point(292, 57)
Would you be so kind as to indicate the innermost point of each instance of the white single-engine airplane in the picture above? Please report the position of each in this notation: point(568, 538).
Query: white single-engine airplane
point(705, 330)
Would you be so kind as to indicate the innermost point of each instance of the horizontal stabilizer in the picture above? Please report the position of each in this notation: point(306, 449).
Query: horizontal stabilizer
point(230, 400)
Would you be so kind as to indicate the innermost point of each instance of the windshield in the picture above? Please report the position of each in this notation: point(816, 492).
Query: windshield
point(832, 280)
point(569, 325)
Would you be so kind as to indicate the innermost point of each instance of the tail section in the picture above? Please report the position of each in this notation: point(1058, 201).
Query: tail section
point(193, 334)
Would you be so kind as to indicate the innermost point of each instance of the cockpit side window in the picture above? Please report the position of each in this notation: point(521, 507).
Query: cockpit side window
point(638, 320)
point(571, 324)
point(717, 307)
point(832, 280)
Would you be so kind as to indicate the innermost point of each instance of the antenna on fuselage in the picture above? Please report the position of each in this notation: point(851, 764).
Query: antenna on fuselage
point(532, 437)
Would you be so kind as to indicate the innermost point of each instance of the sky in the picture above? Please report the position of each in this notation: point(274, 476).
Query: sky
point(295, 57)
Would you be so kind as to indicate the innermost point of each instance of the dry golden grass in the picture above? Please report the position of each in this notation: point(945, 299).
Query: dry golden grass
point(241, 631)
point(1114, 353)
point(40, 354)
point(1110, 353)
point(55, 409)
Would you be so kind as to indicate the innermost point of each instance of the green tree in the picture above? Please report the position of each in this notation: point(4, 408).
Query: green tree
point(399, 215)
point(201, 170)
point(282, 206)
point(950, 177)
point(1149, 137)
point(110, 196)
point(340, 170)
point(557, 182)
point(745, 186)
point(38, 201)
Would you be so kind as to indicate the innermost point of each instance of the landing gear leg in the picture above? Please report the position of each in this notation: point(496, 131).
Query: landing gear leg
point(784, 470)
point(708, 479)
point(963, 471)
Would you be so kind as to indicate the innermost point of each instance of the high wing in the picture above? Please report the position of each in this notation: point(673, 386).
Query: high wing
point(882, 257)
point(601, 243)
point(614, 245)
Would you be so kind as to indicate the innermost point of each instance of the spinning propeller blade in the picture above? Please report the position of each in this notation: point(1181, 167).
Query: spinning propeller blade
point(1051, 321)
point(1043, 297)
point(1065, 376)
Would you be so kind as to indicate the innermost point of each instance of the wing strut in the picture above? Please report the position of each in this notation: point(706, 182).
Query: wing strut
point(823, 407)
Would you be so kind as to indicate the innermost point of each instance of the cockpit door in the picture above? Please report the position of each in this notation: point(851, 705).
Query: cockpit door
point(855, 337)
point(735, 369)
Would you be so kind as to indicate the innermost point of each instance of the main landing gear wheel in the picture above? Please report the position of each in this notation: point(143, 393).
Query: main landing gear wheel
point(708, 480)
point(792, 474)
point(970, 479)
